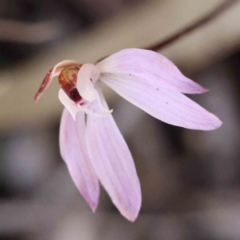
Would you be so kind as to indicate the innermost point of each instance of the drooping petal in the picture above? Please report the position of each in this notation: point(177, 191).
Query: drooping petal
point(52, 73)
point(113, 164)
point(169, 106)
point(74, 152)
point(95, 108)
point(87, 76)
point(152, 67)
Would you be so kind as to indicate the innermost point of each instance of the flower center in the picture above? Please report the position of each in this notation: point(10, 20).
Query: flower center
point(68, 80)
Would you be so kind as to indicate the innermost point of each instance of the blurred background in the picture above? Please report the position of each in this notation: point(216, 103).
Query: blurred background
point(190, 180)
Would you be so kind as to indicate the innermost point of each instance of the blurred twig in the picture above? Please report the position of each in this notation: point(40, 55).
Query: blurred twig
point(199, 23)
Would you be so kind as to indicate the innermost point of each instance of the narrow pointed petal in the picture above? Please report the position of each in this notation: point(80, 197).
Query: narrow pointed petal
point(74, 152)
point(150, 66)
point(52, 73)
point(114, 165)
point(87, 76)
point(169, 106)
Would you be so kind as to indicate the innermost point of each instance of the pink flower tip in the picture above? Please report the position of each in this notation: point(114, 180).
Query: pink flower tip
point(204, 90)
point(217, 123)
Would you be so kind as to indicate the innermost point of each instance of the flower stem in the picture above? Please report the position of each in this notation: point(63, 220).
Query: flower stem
point(199, 23)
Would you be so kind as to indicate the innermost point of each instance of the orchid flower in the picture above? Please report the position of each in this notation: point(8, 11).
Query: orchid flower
point(92, 145)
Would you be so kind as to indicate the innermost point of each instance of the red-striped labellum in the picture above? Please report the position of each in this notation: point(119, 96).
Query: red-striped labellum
point(68, 80)
point(55, 71)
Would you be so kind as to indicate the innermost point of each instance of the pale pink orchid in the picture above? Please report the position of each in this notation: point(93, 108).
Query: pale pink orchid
point(92, 146)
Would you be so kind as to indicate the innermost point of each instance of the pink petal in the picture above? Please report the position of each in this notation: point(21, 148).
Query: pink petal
point(169, 106)
point(152, 67)
point(95, 108)
point(74, 152)
point(114, 165)
point(52, 73)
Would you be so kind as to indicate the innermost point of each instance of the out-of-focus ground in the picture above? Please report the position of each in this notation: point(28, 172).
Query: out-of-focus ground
point(190, 179)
